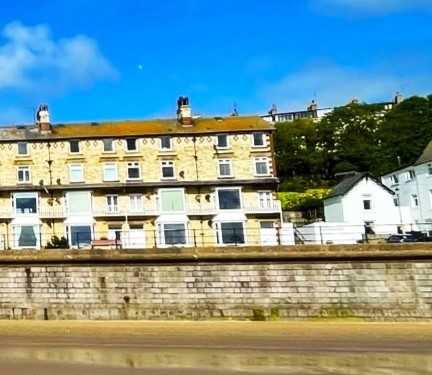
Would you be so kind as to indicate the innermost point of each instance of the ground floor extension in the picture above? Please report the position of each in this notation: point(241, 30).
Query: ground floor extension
point(140, 217)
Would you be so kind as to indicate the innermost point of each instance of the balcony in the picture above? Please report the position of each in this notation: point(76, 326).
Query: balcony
point(113, 211)
point(267, 208)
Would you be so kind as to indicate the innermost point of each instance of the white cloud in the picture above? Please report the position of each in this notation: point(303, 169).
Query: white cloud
point(30, 58)
point(371, 6)
point(336, 85)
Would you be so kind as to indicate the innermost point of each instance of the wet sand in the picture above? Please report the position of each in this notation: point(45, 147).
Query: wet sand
point(189, 348)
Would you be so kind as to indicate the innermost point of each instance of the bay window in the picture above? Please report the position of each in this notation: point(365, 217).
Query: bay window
point(25, 203)
point(79, 202)
point(172, 200)
point(173, 233)
point(229, 199)
point(230, 233)
point(26, 236)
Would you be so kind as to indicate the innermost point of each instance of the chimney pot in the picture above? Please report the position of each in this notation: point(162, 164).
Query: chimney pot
point(43, 119)
point(184, 112)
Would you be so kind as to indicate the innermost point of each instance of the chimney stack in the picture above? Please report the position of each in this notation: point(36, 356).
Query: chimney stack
point(184, 112)
point(313, 106)
point(398, 98)
point(43, 119)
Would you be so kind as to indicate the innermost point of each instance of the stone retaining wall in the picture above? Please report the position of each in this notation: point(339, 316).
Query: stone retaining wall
point(228, 289)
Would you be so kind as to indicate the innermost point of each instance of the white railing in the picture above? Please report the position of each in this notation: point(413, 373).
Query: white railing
point(115, 211)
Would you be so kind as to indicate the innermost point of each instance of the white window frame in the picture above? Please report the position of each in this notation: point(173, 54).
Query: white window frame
point(69, 232)
point(67, 201)
point(136, 145)
point(79, 147)
point(225, 161)
point(161, 234)
point(112, 143)
point(24, 168)
point(219, 239)
point(162, 167)
point(159, 198)
point(108, 165)
point(25, 195)
point(74, 165)
point(217, 141)
point(138, 165)
point(26, 146)
point(270, 201)
point(229, 188)
point(261, 159)
point(367, 199)
point(140, 199)
point(36, 229)
point(170, 148)
point(264, 140)
point(112, 208)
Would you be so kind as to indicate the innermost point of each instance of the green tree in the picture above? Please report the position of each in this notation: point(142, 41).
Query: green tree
point(298, 155)
point(347, 137)
point(403, 134)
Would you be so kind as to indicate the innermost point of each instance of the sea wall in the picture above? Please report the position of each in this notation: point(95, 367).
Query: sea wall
point(367, 283)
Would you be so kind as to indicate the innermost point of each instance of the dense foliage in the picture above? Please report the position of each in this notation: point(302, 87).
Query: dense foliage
point(361, 137)
point(302, 201)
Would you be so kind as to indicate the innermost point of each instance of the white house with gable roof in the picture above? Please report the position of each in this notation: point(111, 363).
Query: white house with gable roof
point(413, 190)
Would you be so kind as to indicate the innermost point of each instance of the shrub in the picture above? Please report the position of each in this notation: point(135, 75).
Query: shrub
point(311, 198)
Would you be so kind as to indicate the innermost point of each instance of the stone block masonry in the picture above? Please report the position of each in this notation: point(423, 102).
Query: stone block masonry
point(370, 289)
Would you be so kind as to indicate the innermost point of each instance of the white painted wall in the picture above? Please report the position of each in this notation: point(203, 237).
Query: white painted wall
point(350, 209)
point(406, 187)
point(333, 210)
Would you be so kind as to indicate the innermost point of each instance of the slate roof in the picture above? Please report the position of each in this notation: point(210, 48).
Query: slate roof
point(426, 155)
point(208, 125)
point(349, 182)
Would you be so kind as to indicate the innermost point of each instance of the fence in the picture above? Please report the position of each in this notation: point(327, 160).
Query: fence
point(31, 237)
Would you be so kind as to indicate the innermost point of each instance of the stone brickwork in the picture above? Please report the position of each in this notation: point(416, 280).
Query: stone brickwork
point(383, 290)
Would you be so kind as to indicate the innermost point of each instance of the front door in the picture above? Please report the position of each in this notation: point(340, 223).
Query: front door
point(268, 233)
point(134, 238)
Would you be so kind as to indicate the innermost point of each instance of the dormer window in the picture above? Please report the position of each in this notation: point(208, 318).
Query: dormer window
point(222, 141)
point(394, 179)
point(22, 148)
point(108, 145)
point(411, 175)
point(165, 143)
point(131, 144)
point(258, 139)
point(74, 147)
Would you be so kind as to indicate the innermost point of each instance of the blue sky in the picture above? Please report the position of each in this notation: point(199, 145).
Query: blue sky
point(96, 60)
